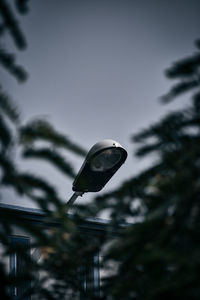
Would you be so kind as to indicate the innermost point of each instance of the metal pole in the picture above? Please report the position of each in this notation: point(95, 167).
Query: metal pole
point(73, 198)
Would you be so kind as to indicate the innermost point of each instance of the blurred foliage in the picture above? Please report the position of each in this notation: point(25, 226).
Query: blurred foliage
point(10, 25)
point(37, 139)
point(154, 215)
point(158, 255)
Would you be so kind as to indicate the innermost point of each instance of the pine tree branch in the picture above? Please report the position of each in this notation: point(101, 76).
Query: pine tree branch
point(12, 25)
point(8, 61)
point(42, 130)
point(52, 156)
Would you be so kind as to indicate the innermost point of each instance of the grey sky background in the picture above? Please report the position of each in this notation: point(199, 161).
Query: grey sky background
point(97, 70)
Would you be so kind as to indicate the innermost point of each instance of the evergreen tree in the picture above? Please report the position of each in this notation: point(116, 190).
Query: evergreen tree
point(154, 257)
point(157, 257)
point(16, 137)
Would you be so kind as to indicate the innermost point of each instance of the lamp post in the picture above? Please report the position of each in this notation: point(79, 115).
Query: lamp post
point(101, 163)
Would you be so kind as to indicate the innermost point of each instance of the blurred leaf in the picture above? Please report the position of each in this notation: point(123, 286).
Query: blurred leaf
point(8, 61)
point(158, 251)
point(43, 130)
point(184, 68)
point(179, 89)
point(5, 137)
point(8, 107)
point(52, 156)
point(12, 24)
point(22, 6)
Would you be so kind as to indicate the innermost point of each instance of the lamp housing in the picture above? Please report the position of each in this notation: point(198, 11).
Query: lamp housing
point(101, 163)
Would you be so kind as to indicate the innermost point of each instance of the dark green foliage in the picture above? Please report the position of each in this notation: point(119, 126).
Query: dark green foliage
point(22, 6)
point(8, 108)
point(187, 72)
point(8, 61)
point(22, 139)
point(155, 215)
point(158, 256)
point(52, 156)
point(42, 130)
point(11, 24)
point(3, 283)
point(15, 138)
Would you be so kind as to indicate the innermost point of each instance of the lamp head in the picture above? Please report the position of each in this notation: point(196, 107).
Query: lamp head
point(101, 163)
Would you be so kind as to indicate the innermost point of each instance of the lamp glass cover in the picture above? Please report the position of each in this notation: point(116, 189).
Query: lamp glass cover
point(106, 160)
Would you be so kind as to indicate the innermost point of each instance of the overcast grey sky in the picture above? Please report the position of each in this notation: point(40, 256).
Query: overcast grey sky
point(96, 67)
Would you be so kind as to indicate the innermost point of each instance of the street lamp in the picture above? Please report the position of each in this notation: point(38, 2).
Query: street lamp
point(101, 163)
